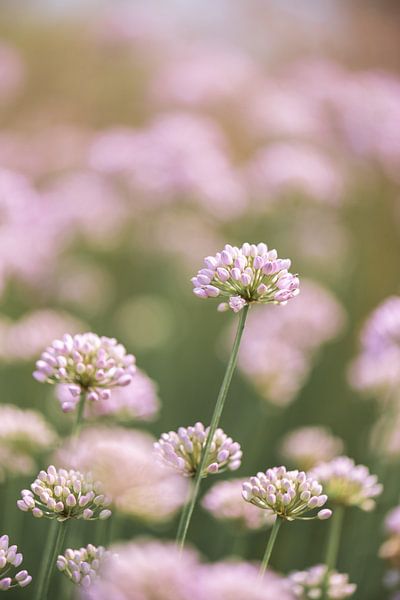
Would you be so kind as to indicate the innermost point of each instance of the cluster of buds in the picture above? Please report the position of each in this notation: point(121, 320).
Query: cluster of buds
point(82, 566)
point(182, 450)
point(88, 363)
point(10, 557)
point(348, 484)
point(289, 494)
point(313, 583)
point(250, 274)
point(224, 502)
point(62, 495)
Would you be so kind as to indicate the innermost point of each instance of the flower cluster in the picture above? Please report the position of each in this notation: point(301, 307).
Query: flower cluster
point(24, 434)
point(246, 275)
point(88, 363)
point(224, 502)
point(82, 566)
point(182, 450)
point(390, 549)
point(311, 584)
point(62, 495)
point(348, 484)
point(138, 401)
point(139, 487)
point(306, 446)
point(10, 557)
point(289, 494)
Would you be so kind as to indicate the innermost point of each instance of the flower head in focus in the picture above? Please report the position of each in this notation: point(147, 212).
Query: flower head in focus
point(87, 363)
point(182, 450)
point(24, 434)
point(289, 494)
point(224, 502)
point(311, 583)
point(9, 558)
point(81, 566)
point(250, 274)
point(62, 495)
point(348, 484)
point(306, 446)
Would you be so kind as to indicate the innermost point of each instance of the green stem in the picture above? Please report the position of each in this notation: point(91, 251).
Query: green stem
point(332, 548)
point(54, 543)
point(219, 405)
point(79, 417)
point(270, 545)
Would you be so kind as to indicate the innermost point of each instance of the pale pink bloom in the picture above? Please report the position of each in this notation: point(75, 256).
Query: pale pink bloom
point(310, 584)
point(22, 340)
point(238, 581)
point(24, 435)
point(139, 487)
point(138, 401)
point(9, 558)
point(284, 167)
point(392, 521)
point(12, 72)
point(306, 446)
point(146, 569)
point(224, 501)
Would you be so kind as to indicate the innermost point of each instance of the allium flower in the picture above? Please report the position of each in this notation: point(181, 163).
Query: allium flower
point(82, 566)
point(289, 494)
point(311, 584)
point(88, 363)
point(246, 275)
point(10, 557)
point(239, 581)
point(348, 484)
point(224, 502)
point(62, 495)
point(390, 549)
point(146, 569)
point(24, 434)
point(139, 486)
point(307, 446)
point(392, 521)
point(182, 450)
point(137, 401)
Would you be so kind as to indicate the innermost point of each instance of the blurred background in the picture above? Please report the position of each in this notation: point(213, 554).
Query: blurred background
point(137, 138)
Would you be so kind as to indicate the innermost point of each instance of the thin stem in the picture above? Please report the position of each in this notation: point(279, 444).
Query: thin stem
point(270, 545)
point(54, 543)
point(79, 417)
point(219, 405)
point(332, 547)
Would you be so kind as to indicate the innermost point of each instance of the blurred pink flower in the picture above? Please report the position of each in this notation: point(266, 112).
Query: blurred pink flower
point(124, 461)
point(304, 447)
point(138, 401)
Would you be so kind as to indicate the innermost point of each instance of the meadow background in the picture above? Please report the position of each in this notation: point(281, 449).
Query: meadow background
point(258, 121)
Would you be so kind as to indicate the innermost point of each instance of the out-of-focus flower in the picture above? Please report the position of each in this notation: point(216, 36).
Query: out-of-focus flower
point(295, 168)
point(376, 369)
point(311, 584)
point(65, 494)
point(348, 484)
point(180, 155)
point(24, 434)
point(289, 494)
point(278, 351)
point(307, 446)
point(146, 569)
point(391, 581)
point(23, 339)
point(392, 521)
point(390, 549)
point(12, 72)
point(239, 580)
point(138, 401)
point(224, 501)
point(10, 557)
point(81, 566)
point(139, 487)
point(182, 450)
point(88, 364)
point(246, 275)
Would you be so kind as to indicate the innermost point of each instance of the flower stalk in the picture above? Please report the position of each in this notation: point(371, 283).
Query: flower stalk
point(332, 548)
point(219, 406)
point(270, 545)
point(54, 544)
